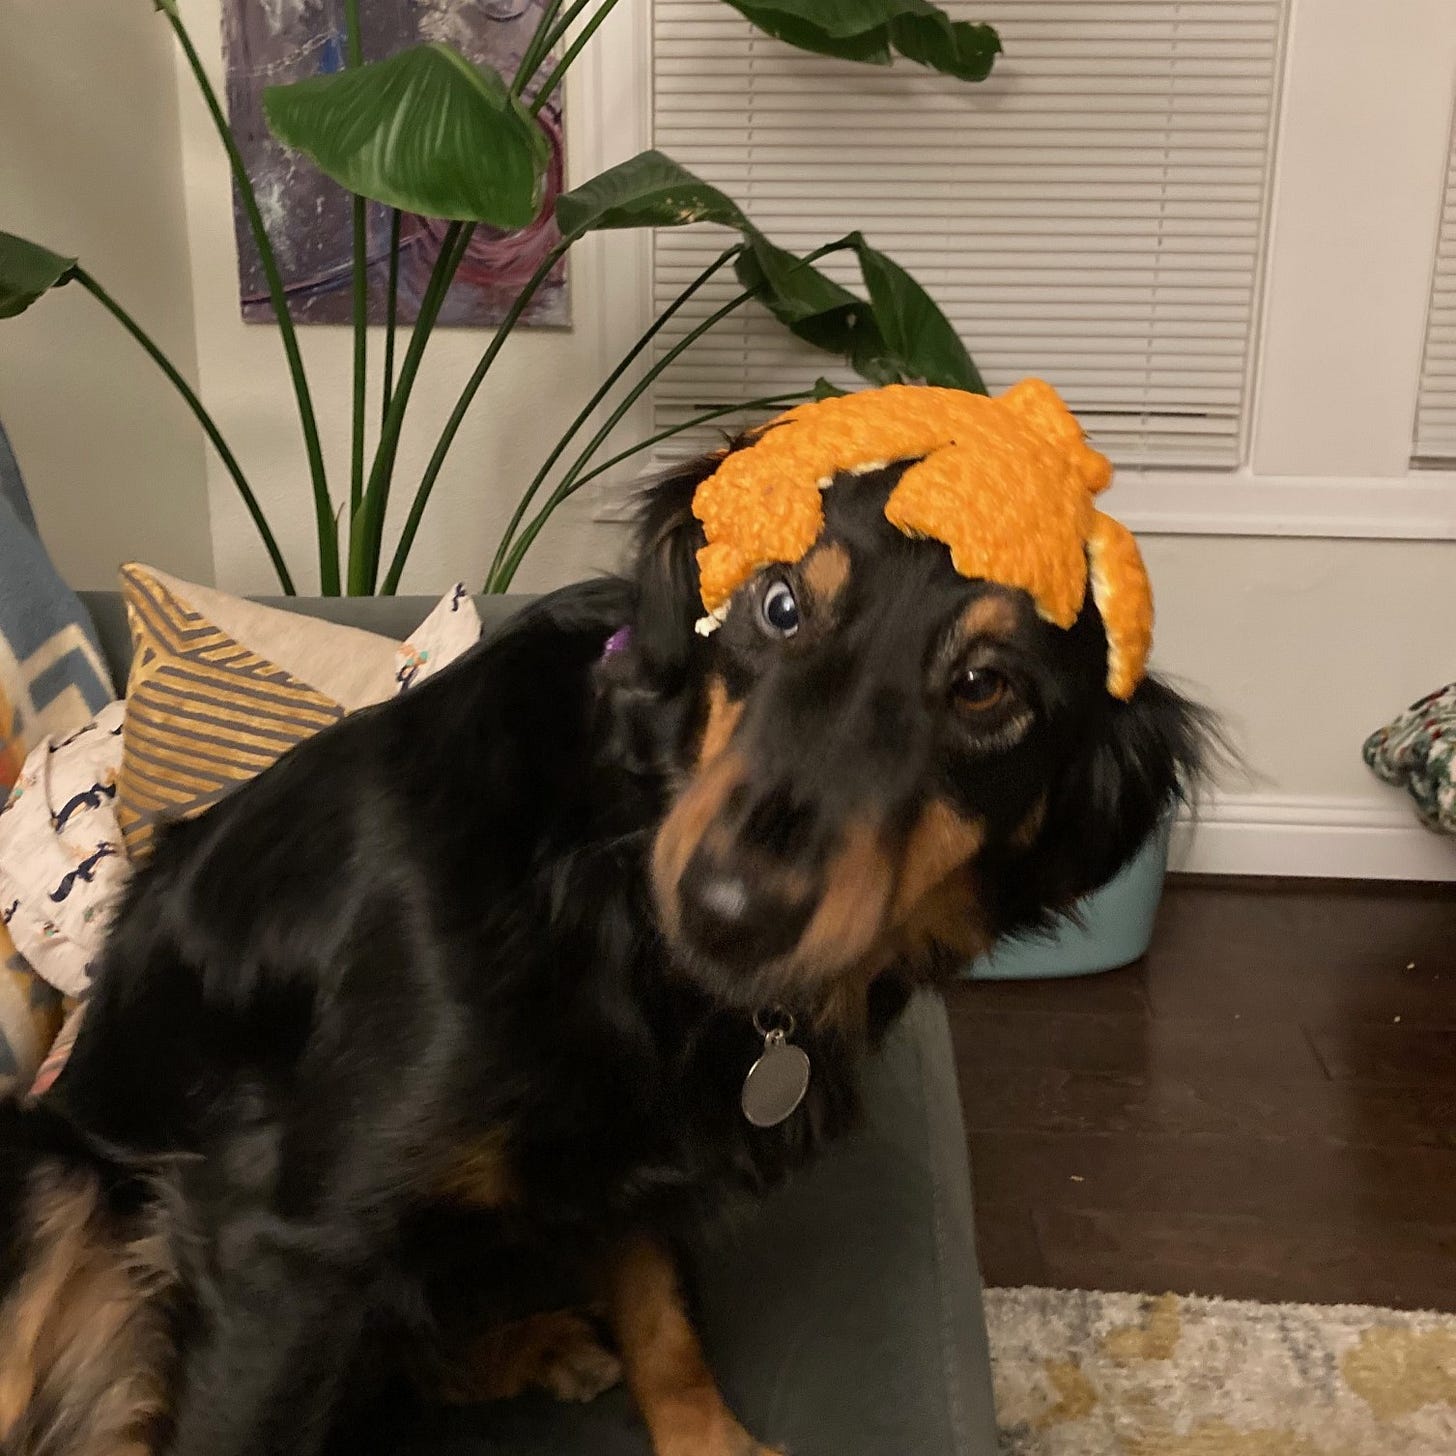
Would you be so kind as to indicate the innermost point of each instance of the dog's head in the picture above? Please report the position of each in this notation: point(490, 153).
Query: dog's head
point(878, 761)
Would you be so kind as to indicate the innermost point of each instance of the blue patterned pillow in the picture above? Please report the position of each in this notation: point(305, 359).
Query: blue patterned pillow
point(52, 681)
point(52, 676)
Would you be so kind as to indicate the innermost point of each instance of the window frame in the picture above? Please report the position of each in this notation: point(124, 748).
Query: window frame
point(1354, 220)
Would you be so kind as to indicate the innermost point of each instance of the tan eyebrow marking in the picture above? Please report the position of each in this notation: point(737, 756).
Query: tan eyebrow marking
point(826, 573)
point(990, 615)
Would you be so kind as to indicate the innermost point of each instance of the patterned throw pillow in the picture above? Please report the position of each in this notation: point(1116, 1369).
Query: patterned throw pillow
point(63, 864)
point(215, 696)
point(52, 679)
point(220, 687)
point(451, 629)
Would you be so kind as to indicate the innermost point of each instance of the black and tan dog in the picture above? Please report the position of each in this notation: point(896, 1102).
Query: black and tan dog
point(438, 1028)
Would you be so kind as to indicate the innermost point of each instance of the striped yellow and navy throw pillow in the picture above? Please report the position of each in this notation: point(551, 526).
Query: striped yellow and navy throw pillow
point(204, 712)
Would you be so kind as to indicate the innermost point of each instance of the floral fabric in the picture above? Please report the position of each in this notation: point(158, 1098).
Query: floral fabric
point(1417, 751)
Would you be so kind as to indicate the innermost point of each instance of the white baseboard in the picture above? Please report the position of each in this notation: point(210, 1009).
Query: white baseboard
point(1262, 834)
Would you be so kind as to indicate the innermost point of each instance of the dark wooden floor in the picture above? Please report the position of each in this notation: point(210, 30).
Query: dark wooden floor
point(1264, 1108)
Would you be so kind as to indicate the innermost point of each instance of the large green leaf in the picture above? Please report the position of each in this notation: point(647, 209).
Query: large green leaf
point(424, 131)
point(793, 290)
point(870, 30)
point(897, 336)
point(28, 270)
point(813, 307)
point(838, 19)
point(958, 48)
point(919, 339)
point(870, 47)
point(649, 190)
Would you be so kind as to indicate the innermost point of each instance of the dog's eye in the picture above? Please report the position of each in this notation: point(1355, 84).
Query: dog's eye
point(780, 610)
point(979, 688)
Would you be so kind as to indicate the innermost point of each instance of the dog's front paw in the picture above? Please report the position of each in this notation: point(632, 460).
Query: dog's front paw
point(719, 1435)
point(575, 1365)
point(559, 1353)
point(742, 1444)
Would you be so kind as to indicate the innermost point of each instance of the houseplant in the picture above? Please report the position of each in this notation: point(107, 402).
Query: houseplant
point(426, 131)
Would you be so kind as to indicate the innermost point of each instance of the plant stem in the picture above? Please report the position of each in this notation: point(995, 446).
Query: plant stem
point(536, 48)
point(361, 294)
point(553, 80)
point(500, 578)
point(768, 401)
point(328, 542)
point(361, 359)
point(204, 419)
point(557, 32)
point(353, 37)
point(366, 537)
point(391, 311)
point(462, 406)
point(529, 494)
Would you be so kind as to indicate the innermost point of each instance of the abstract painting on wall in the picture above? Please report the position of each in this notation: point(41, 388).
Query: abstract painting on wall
point(267, 42)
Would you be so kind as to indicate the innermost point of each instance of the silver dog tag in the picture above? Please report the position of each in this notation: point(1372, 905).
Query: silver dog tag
point(776, 1082)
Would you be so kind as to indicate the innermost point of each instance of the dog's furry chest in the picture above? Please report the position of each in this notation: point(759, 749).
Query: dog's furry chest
point(626, 1102)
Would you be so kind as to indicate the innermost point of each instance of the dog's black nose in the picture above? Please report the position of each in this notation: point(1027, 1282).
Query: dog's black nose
point(738, 917)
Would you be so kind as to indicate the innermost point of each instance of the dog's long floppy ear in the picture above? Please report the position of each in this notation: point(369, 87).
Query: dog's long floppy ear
point(651, 713)
point(1131, 764)
point(666, 574)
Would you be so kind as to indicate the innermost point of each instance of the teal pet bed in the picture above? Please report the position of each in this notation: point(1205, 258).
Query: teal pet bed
point(1113, 926)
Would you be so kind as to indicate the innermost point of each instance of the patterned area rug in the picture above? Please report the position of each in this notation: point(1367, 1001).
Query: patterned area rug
point(1084, 1374)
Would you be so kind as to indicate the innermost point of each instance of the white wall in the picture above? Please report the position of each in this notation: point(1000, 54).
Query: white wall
point(1305, 644)
point(89, 153)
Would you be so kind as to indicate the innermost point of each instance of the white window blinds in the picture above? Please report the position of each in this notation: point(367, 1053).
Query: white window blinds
point(1093, 213)
point(1436, 410)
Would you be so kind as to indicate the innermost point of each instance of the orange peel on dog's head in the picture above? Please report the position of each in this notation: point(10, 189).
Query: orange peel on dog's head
point(1007, 484)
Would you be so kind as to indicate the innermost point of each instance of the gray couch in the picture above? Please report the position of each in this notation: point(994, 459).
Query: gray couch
point(846, 1318)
